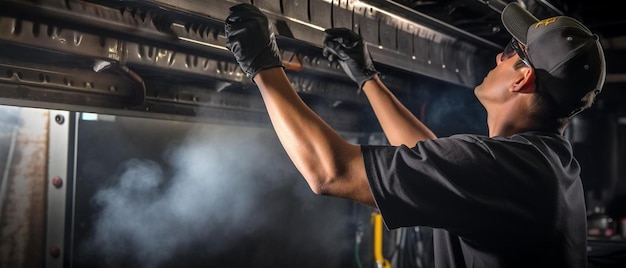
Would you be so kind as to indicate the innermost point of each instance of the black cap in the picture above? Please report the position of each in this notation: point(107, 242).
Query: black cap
point(567, 56)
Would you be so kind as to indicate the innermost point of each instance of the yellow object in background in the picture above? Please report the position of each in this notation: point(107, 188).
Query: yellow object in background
point(377, 221)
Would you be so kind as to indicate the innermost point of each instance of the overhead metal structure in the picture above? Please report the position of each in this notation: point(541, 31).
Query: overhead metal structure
point(167, 58)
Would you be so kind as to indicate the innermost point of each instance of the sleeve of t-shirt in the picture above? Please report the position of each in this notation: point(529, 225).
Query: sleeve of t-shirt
point(453, 183)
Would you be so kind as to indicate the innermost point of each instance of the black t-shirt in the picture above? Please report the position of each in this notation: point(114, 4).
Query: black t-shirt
point(494, 202)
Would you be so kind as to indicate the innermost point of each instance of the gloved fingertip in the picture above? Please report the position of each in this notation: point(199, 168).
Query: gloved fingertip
point(337, 40)
point(241, 11)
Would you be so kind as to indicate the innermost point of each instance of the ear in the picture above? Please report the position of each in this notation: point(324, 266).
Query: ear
point(525, 82)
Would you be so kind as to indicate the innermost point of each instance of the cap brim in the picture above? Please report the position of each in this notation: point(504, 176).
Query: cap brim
point(517, 20)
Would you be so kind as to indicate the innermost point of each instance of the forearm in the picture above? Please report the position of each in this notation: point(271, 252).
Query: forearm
point(330, 165)
point(398, 123)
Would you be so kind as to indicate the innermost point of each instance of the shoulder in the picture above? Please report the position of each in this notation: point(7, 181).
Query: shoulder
point(526, 146)
point(543, 142)
point(521, 140)
point(460, 144)
point(469, 148)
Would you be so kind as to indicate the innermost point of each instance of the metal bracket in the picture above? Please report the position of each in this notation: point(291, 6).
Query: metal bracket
point(58, 154)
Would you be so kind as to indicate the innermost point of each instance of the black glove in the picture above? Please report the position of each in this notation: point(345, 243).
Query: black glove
point(250, 38)
point(348, 49)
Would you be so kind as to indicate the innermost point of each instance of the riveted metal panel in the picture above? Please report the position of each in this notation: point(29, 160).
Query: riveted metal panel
point(183, 41)
point(404, 37)
point(421, 46)
point(321, 13)
point(273, 6)
point(297, 9)
point(450, 59)
point(342, 14)
point(25, 32)
point(216, 9)
point(58, 174)
point(388, 28)
point(435, 53)
point(366, 24)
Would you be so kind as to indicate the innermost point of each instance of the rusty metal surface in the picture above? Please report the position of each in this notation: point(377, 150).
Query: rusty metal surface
point(22, 224)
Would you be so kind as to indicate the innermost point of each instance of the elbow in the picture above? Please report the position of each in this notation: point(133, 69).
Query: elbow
point(318, 187)
point(319, 184)
point(333, 175)
point(315, 175)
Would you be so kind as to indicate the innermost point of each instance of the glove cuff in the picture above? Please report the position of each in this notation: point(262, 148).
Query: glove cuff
point(367, 75)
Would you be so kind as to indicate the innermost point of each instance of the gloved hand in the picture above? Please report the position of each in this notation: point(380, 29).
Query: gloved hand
point(250, 38)
point(348, 49)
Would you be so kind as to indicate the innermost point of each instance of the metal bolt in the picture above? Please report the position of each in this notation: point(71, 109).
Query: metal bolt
point(59, 119)
point(57, 182)
point(55, 252)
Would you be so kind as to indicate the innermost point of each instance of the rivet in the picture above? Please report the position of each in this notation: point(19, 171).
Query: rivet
point(59, 119)
point(55, 252)
point(57, 182)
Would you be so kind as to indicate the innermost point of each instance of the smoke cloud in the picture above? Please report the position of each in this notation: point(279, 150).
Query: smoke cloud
point(228, 195)
point(454, 110)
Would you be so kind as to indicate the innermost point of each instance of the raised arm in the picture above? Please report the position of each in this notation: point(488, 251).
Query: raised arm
point(398, 123)
point(330, 165)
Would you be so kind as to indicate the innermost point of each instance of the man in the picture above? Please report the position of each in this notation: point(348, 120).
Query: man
point(512, 199)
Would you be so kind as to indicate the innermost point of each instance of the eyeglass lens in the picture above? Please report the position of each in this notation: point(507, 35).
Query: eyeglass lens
point(508, 51)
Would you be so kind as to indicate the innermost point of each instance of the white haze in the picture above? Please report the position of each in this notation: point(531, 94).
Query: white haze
point(215, 196)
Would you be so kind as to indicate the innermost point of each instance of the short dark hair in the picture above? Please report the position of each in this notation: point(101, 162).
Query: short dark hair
point(545, 110)
point(565, 110)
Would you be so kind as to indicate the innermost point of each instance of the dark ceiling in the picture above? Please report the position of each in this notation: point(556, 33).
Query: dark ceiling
point(482, 18)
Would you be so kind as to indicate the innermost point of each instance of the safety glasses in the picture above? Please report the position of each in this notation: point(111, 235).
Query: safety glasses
point(511, 49)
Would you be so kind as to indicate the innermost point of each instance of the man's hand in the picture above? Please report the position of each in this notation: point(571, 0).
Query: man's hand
point(348, 49)
point(250, 38)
